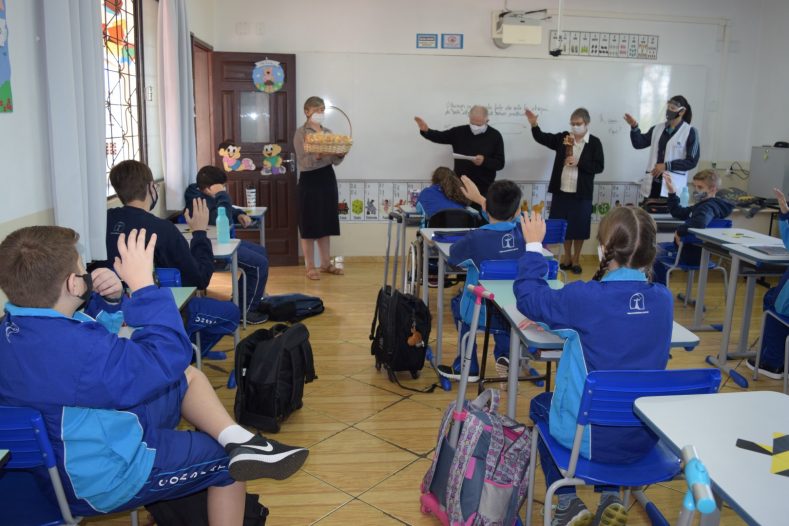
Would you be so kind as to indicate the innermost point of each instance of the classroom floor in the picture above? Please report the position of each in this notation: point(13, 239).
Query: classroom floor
point(370, 441)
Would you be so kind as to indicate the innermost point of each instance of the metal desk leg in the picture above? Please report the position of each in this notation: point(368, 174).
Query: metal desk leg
point(698, 312)
point(425, 270)
point(720, 360)
point(512, 377)
point(234, 274)
point(742, 349)
point(263, 230)
point(440, 309)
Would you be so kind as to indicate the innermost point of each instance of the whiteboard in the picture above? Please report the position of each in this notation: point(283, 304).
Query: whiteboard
point(381, 93)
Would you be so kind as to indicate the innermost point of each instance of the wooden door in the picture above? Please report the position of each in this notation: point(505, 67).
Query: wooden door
point(204, 126)
point(252, 119)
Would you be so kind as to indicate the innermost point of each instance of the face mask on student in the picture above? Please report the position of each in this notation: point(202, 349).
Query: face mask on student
point(154, 197)
point(317, 118)
point(578, 130)
point(85, 296)
point(476, 130)
point(699, 196)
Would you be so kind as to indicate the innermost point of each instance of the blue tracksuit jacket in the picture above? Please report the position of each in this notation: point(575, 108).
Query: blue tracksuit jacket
point(620, 323)
point(90, 385)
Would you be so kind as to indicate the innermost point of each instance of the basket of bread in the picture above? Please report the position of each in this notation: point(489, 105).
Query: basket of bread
point(330, 143)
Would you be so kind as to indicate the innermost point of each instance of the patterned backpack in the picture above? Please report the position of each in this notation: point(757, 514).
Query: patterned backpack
point(484, 481)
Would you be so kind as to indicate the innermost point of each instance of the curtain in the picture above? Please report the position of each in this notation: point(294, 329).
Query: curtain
point(176, 101)
point(72, 43)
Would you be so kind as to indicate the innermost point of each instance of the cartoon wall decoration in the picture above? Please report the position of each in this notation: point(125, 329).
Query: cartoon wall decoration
point(6, 100)
point(231, 157)
point(272, 161)
point(268, 76)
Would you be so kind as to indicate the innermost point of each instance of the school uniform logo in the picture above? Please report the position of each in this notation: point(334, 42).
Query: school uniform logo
point(10, 329)
point(118, 228)
point(507, 242)
point(637, 304)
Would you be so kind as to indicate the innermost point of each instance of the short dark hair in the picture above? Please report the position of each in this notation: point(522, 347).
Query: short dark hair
point(224, 144)
point(210, 175)
point(503, 200)
point(34, 263)
point(130, 179)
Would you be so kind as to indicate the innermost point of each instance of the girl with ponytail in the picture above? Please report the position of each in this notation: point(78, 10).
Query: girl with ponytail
point(618, 321)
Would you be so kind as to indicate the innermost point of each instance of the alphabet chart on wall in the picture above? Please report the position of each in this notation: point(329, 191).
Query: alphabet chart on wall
point(612, 45)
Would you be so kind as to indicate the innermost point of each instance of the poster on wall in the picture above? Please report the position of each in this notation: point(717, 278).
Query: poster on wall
point(6, 100)
point(268, 76)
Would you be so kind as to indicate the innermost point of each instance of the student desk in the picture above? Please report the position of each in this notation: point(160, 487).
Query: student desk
point(740, 477)
point(181, 295)
point(443, 255)
point(504, 298)
point(223, 251)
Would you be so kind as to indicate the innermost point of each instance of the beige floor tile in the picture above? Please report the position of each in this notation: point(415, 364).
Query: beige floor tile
point(405, 424)
point(354, 460)
point(307, 427)
point(357, 512)
point(349, 401)
point(399, 495)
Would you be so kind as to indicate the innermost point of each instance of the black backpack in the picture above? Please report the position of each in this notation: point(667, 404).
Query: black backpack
point(290, 307)
point(399, 317)
point(272, 366)
point(192, 510)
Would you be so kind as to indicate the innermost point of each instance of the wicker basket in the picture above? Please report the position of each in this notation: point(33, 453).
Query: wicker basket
point(331, 143)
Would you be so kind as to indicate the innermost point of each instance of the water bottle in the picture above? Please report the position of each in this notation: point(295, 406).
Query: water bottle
point(684, 197)
point(222, 226)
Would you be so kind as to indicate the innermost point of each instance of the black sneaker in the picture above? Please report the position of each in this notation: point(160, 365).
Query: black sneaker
point(432, 281)
point(565, 266)
point(577, 269)
point(262, 457)
point(776, 373)
point(448, 372)
point(255, 317)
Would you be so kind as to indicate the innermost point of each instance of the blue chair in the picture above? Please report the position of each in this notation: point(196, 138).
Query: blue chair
point(168, 277)
point(24, 502)
point(672, 261)
point(608, 398)
point(555, 233)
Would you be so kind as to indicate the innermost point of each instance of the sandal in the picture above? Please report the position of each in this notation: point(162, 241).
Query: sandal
point(331, 269)
point(313, 274)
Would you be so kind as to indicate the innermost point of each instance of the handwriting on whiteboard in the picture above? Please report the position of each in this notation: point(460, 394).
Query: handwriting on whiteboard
point(494, 110)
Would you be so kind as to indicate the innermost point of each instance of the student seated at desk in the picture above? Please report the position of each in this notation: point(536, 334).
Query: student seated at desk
point(252, 257)
point(620, 321)
point(444, 193)
point(771, 361)
point(133, 182)
point(111, 404)
point(500, 239)
point(708, 207)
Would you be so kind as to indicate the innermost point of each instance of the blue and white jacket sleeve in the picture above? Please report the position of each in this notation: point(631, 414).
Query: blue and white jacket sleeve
point(535, 298)
point(122, 373)
point(460, 251)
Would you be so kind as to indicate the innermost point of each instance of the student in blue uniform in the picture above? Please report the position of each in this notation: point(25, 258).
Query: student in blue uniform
point(252, 257)
point(771, 361)
point(444, 193)
point(501, 238)
point(111, 404)
point(133, 182)
point(619, 321)
point(706, 184)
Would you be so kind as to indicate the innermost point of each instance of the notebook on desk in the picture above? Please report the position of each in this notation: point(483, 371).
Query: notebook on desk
point(771, 250)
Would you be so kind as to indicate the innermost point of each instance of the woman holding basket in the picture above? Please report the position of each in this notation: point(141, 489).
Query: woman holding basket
point(317, 192)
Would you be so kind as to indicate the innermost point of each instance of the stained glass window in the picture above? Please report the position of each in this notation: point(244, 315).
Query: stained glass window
point(121, 30)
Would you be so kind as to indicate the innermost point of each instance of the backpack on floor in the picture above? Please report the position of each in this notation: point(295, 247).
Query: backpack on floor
point(272, 366)
point(399, 333)
point(192, 510)
point(484, 481)
point(290, 307)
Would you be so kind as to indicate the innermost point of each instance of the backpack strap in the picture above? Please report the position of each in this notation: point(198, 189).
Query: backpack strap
point(493, 457)
point(487, 401)
point(446, 421)
point(428, 389)
point(375, 314)
point(306, 352)
point(472, 430)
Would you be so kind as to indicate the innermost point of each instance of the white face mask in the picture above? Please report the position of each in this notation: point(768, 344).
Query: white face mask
point(600, 253)
point(476, 130)
point(578, 130)
point(317, 118)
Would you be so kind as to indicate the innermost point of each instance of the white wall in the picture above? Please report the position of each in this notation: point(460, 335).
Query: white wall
point(24, 135)
point(771, 111)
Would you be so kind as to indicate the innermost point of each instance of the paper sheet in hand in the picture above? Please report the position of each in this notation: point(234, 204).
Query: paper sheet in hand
point(680, 181)
point(462, 157)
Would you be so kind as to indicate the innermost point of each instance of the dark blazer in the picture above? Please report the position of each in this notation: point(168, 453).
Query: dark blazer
point(590, 163)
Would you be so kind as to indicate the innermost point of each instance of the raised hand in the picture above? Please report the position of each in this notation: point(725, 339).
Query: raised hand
point(779, 195)
point(669, 184)
point(421, 123)
point(531, 117)
point(470, 190)
point(135, 264)
point(630, 120)
point(107, 284)
point(198, 219)
point(533, 227)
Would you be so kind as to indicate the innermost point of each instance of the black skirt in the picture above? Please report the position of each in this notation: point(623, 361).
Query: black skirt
point(318, 203)
point(576, 211)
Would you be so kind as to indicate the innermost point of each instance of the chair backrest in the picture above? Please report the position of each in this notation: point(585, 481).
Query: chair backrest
point(508, 269)
point(555, 231)
point(168, 277)
point(22, 432)
point(608, 396)
point(454, 218)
